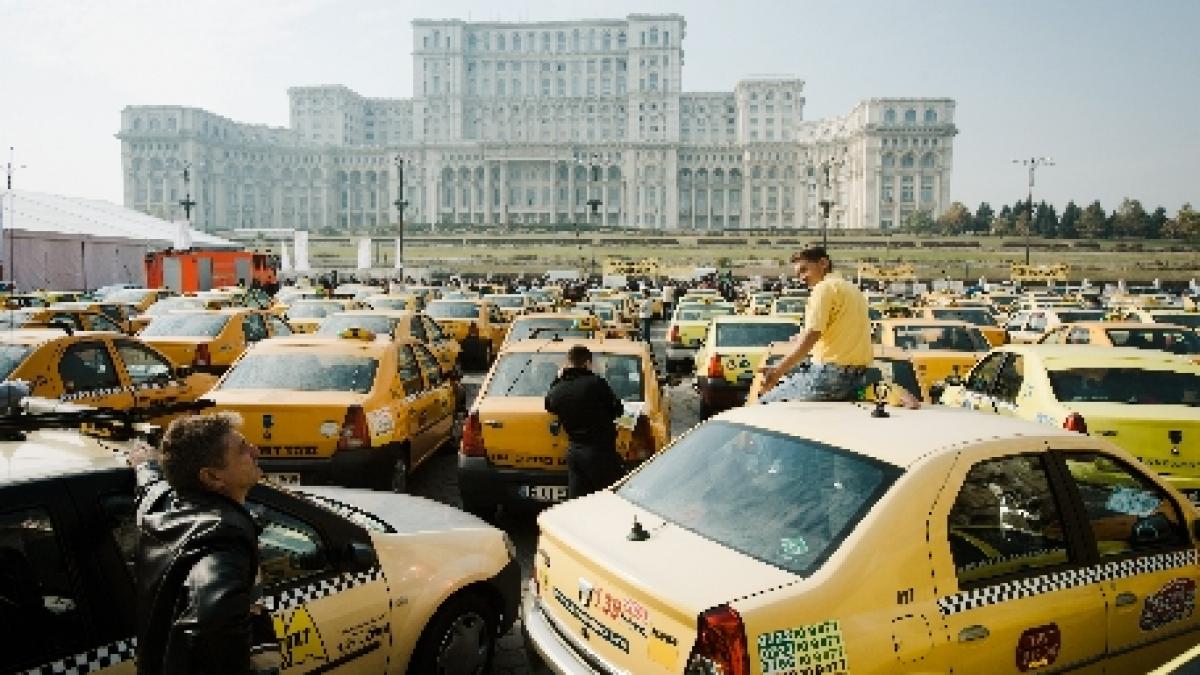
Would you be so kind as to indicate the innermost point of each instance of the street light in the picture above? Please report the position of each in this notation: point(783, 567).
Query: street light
point(187, 202)
point(400, 204)
point(593, 202)
point(1032, 164)
point(826, 204)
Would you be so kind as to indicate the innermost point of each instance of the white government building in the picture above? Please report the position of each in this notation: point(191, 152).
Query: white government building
point(525, 123)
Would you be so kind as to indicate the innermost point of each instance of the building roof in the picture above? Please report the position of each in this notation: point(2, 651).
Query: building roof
point(27, 211)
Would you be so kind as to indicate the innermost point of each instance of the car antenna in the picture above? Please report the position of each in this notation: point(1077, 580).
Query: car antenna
point(881, 393)
point(637, 532)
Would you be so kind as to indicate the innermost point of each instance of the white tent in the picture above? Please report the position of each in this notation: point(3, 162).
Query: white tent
point(69, 243)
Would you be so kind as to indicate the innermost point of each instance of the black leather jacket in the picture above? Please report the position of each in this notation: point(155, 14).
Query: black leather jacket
point(586, 405)
point(197, 581)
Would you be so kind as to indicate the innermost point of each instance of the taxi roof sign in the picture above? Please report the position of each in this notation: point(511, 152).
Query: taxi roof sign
point(356, 333)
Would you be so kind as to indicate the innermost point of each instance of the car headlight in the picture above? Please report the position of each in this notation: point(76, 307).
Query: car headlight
point(510, 546)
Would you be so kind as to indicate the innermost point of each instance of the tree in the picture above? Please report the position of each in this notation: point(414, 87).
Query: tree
point(1002, 226)
point(1093, 223)
point(1045, 221)
point(1069, 223)
point(1156, 223)
point(1185, 225)
point(956, 219)
point(918, 222)
point(984, 215)
point(1130, 219)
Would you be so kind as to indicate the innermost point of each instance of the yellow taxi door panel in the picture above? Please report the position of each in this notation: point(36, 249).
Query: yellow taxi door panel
point(89, 376)
point(150, 374)
point(1147, 557)
point(437, 399)
point(1018, 600)
point(415, 404)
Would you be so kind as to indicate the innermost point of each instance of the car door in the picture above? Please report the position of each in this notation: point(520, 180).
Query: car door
point(1010, 565)
point(150, 375)
point(1146, 554)
point(439, 344)
point(89, 375)
point(1007, 392)
point(438, 398)
point(978, 387)
point(414, 412)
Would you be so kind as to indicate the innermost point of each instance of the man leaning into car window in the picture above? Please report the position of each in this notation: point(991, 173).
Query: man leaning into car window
point(197, 566)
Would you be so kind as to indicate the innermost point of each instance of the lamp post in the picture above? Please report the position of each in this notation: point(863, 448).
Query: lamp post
point(400, 204)
point(1032, 164)
point(187, 202)
point(593, 202)
point(11, 168)
point(827, 203)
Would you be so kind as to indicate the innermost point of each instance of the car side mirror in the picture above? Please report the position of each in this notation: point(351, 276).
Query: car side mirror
point(360, 556)
point(935, 392)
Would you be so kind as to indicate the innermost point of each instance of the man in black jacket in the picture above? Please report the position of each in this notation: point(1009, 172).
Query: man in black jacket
point(587, 408)
point(197, 557)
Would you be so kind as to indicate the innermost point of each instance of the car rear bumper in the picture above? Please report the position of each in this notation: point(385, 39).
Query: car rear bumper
point(680, 353)
point(561, 653)
point(349, 468)
point(720, 394)
point(481, 481)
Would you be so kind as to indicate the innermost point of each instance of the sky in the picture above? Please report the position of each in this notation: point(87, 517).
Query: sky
point(1109, 89)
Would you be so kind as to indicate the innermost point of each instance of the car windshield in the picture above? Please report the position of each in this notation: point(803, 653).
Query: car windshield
point(453, 310)
point(795, 306)
point(703, 312)
point(508, 300)
point(531, 374)
point(303, 372)
point(15, 318)
point(11, 356)
point(186, 325)
point(1125, 385)
point(940, 338)
point(546, 328)
point(754, 334)
point(390, 303)
point(1191, 320)
point(1075, 316)
point(786, 501)
point(605, 312)
point(167, 304)
point(978, 317)
point(314, 310)
point(1174, 340)
point(333, 326)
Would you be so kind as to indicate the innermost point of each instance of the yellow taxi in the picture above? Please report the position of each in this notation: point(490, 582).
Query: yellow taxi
point(1027, 325)
point(400, 324)
point(1178, 317)
point(688, 329)
point(562, 325)
point(477, 325)
point(355, 582)
point(139, 299)
point(1142, 400)
point(980, 317)
point(545, 299)
point(513, 451)
point(210, 340)
point(760, 303)
point(306, 314)
point(732, 351)
point(614, 323)
point(890, 366)
point(119, 312)
point(74, 319)
point(97, 369)
point(394, 301)
point(359, 410)
point(789, 306)
point(511, 305)
point(160, 307)
point(1161, 336)
point(940, 348)
point(755, 543)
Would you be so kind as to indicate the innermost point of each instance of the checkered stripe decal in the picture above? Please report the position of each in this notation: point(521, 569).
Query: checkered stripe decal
point(1048, 583)
point(91, 660)
point(320, 589)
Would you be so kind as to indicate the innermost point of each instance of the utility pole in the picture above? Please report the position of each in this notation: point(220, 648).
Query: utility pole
point(1032, 164)
point(187, 202)
point(400, 204)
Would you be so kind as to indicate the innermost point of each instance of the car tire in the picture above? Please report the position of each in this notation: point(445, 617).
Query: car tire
point(396, 478)
point(460, 638)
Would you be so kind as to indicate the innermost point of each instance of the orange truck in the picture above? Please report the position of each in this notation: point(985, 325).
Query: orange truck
point(198, 270)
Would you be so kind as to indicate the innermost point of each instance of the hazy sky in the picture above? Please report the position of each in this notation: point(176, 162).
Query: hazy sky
point(1110, 89)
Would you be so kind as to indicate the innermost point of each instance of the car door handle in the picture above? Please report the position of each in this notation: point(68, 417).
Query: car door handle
point(495, 424)
point(1126, 598)
point(972, 633)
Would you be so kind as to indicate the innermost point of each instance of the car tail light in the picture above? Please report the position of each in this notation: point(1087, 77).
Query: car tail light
point(720, 644)
point(202, 358)
point(715, 370)
point(1075, 422)
point(472, 437)
point(355, 433)
point(673, 336)
point(641, 443)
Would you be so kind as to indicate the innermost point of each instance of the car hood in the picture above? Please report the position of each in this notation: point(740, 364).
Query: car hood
point(404, 513)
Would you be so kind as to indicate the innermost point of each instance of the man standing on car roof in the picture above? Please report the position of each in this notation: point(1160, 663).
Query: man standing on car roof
point(587, 408)
point(837, 334)
point(196, 566)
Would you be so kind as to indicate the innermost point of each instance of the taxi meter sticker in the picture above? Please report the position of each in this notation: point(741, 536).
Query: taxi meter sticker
point(1038, 647)
point(1173, 602)
point(815, 649)
point(299, 639)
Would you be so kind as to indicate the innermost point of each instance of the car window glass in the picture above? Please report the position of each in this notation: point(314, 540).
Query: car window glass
point(278, 327)
point(71, 320)
point(417, 329)
point(254, 327)
point(143, 364)
point(1079, 336)
point(985, 372)
point(101, 322)
point(87, 366)
point(40, 607)
point(1005, 520)
point(433, 371)
point(1010, 378)
point(408, 370)
point(1126, 510)
point(432, 330)
point(289, 549)
point(1037, 321)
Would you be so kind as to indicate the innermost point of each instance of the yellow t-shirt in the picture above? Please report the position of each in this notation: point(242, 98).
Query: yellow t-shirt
point(839, 310)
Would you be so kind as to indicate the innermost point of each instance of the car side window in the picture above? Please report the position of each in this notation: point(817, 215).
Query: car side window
point(71, 320)
point(289, 549)
point(40, 605)
point(254, 327)
point(102, 322)
point(429, 365)
point(417, 329)
point(408, 370)
point(984, 374)
point(278, 327)
point(1079, 336)
point(1005, 520)
point(1126, 510)
point(1037, 321)
point(143, 364)
point(1010, 378)
point(86, 366)
point(432, 330)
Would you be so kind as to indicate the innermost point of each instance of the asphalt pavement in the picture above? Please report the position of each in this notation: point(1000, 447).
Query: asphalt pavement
point(438, 479)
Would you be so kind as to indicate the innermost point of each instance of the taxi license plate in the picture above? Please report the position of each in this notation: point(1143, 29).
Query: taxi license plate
point(284, 478)
point(544, 493)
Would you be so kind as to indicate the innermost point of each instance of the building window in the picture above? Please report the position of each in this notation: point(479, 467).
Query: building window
point(889, 116)
point(906, 189)
point(930, 116)
point(888, 189)
point(910, 116)
point(906, 162)
point(926, 189)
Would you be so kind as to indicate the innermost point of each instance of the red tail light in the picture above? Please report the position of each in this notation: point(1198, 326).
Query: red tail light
point(472, 437)
point(641, 444)
point(355, 433)
point(1075, 422)
point(673, 336)
point(202, 358)
point(720, 644)
point(715, 370)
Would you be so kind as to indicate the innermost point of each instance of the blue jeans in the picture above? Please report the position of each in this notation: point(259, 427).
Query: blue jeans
point(820, 382)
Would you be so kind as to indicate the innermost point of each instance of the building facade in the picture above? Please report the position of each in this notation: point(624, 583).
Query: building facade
point(547, 122)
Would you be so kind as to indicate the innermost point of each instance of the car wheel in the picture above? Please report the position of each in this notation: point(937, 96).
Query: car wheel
point(460, 638)
point(396, 480)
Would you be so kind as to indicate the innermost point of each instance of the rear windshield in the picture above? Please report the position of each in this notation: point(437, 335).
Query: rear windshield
point(546, 328)
point(605, 312)
point(186, 325)
point(1125, 385)
point(453, 310)
point(531, 374)
point(379, 325)
point(508, 300)
point(703, 313)
point(303, 372)
point(786, 501)
point(167, 304)
point(947, 338)
point(979, 317)
point(1080, 315)
point(313, 310)
point(1190, 320)
point(11, 356)
point(791, 306)
point(754, 334)
point(130, 295)
point(895, 371)
point(1174, 340)
point(390, 303)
